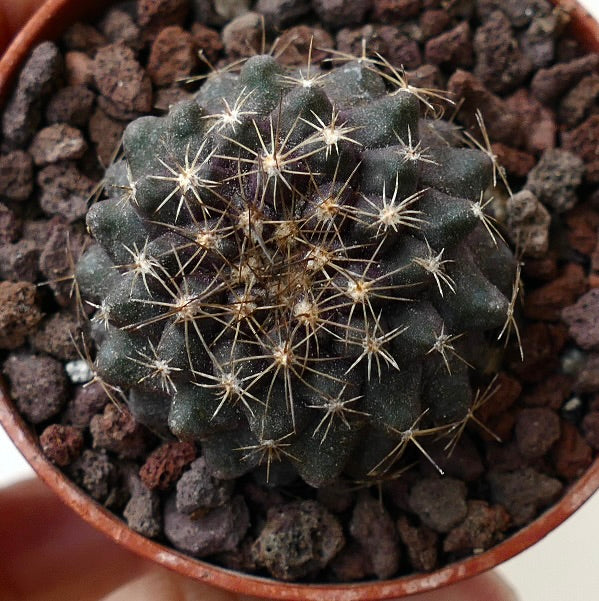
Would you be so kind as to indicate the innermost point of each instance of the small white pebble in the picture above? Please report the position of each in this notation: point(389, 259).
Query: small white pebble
point(572, 404)
point(79, 371)
point(573, 361)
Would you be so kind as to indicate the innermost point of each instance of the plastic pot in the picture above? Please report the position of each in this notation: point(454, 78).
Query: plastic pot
point(48, 23)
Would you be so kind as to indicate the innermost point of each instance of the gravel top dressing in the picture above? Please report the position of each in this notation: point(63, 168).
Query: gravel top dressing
point(509, 387)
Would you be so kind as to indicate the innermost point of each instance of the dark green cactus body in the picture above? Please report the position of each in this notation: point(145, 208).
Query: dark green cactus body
point(290, 277)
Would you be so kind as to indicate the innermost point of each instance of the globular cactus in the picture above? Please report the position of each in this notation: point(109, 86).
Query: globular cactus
point(295, 270)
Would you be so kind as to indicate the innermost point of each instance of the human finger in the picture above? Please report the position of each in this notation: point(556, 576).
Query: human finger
point(50, 554)
point(162, 585)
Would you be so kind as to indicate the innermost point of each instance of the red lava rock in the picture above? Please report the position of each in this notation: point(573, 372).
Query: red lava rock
point(16, 176)
point(172, 57)
point(261, 498)
point(421, 544)
point(219, 530)
point(280, 13)
point(538, 42)
point(578, 103)
point(452, 48)
point(583, 224)
point(373, 528)
point(541, 344)
point(218, 13)
point(590, 427)
point(65, 191)
point(389, 11)
point(582, 141)
point(587, 379)
point(164, 465)
point(198, 489)
point(582, 319)
point(79, 69)
point(350, 40)
point(482, 528)
point(72, 105)
point(56, 336)
point(536, 430)
point(106, 134)
point(243, 35)
point(154, 15)
point(459, 9)
point(546, 303)
point(528, 223)
point(58, 142)
point(538, 124)
point(571, 454)
point(40, 75)
point(60, 252)
point(143, 510)
point(439, 502)
point(19, 314)
point(94, 472)
point(595, 257)
point(167, 97)
point(544, 268)
point(519, 12)
point(83, 37)
point(555, 179)
point(119, 26)
point(115, 430)
point(18, 261)
point(549, 84)
point(387, 40)
point(516, 162)
point(397, 490)
point(61, 444)
point(500, 64)
point(501, 123)
point(522, 492)
point(341, 13)
point(298, 539)
point(296, 44)
point(241, 558)
point(9, 225)
point(461, 461)
point(552, 392)
point(88, 401)
point(498, 428)
point(122, 81)
point(399, 49)
point(38, 385)
point(426, 76)
point(207, 40)
point(433, 22)
point(351, 563)
point(504, 457)
point(508, 390)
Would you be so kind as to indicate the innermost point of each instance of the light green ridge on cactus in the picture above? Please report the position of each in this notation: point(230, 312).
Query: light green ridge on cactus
point(288, 274)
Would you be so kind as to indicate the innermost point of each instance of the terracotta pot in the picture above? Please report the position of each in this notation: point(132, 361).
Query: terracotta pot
point(48, 23)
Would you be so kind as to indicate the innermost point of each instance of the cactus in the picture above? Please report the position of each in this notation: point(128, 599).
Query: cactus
point(296, 270)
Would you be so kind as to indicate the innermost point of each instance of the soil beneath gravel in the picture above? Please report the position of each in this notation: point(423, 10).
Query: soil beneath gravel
point(538, 93)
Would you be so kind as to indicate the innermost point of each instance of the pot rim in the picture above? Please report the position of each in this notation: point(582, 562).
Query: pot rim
point(49, 20)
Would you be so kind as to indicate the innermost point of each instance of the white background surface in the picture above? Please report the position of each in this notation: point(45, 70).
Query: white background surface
point(562, 567)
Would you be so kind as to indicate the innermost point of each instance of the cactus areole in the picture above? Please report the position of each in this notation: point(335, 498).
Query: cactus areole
point(295, 269)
